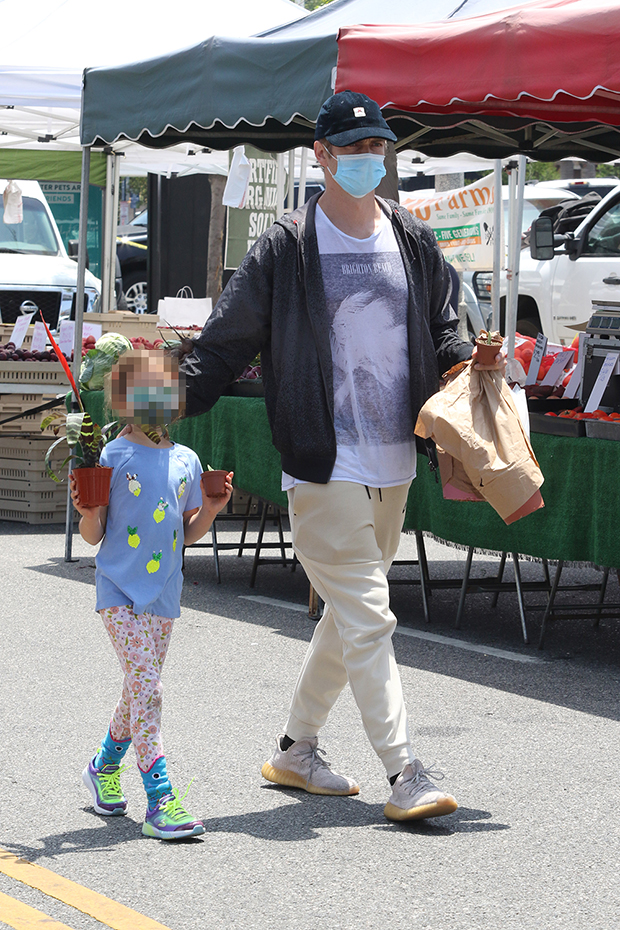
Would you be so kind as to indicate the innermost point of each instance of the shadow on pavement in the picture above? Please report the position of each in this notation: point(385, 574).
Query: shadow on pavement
point(306, 819)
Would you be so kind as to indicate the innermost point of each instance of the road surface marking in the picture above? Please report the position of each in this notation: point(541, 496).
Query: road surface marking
point(23, 917)
point(96, 905)
point(415, 634)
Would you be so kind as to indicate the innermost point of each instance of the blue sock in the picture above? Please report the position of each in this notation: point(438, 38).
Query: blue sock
point(156, 782)
point(111, 751)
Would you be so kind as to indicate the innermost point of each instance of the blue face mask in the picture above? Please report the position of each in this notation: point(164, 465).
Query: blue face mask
point(358, 175)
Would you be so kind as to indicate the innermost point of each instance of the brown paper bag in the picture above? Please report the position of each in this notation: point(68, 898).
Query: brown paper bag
point(474, 421)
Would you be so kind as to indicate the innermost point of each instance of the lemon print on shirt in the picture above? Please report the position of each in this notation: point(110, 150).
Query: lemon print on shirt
point(182, 487)
point(133, 539)
point(174, 541)
point(160, 511)
point(134, 485)
point(153, 564)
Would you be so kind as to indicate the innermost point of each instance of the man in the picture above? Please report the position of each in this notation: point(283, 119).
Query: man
point(346, 298)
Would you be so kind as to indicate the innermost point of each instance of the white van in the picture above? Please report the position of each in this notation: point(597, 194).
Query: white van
point(35, 271)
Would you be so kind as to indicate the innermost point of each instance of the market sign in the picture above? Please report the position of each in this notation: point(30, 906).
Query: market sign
point(259, 211)
point(63, 198)
point(462, 220)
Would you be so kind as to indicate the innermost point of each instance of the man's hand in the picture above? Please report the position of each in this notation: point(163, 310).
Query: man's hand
point(499, 365)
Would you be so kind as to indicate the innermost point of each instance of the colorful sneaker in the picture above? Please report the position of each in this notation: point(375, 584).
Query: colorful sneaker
point(301, 766)
point(104, 785)
point(169, 820)
point(414, 797)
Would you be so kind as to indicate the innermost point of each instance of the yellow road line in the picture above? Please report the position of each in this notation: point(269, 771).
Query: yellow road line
point(96, 905)
point(22, 917)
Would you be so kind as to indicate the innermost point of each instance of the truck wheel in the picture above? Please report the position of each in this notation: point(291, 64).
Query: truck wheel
point(135, 292)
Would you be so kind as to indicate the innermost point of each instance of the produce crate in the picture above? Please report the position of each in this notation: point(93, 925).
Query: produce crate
point(48, 512)
point(29, 448)
point(602, 429)
point(42, 375)
point(31, 473)
point(12, 404)
point(37, 494)
point(127, 324)
point(6, 330)
point(557, 426)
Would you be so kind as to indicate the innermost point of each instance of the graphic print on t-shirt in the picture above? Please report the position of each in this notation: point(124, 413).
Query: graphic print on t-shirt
point(367, 304)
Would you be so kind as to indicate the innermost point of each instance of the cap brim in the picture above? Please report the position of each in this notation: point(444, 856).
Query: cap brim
point(361, 132)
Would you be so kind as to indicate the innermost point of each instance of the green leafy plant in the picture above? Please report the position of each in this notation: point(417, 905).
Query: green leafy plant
point(84, 437)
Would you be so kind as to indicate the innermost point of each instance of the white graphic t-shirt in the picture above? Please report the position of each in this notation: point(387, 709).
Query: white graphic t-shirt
point(366, 294)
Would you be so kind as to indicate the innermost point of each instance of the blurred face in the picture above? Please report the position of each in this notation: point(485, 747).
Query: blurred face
point(149, 393)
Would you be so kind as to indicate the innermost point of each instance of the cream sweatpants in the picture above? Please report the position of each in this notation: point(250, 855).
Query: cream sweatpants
point(346, 537)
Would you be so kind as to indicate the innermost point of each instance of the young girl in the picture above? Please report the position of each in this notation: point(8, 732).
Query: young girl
point(157, 505)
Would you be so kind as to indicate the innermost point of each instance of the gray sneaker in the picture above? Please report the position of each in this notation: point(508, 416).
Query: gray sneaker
point(301, 766)
point(414, 797)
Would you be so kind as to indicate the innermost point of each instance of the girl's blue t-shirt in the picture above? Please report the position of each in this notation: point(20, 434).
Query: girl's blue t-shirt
point(140, 558)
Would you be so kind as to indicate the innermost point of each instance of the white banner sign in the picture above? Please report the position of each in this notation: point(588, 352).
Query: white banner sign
point(462, 220)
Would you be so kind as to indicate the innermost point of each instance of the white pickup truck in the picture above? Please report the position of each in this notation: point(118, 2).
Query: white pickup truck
point(35, 271)
point(555, 295)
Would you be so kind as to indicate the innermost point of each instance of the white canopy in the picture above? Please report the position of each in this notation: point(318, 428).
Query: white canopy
point(40, 100)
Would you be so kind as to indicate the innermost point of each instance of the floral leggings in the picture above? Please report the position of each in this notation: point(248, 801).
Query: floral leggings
point(141, 643)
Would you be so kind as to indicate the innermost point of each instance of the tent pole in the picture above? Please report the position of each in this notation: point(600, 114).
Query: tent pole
point(517, 186)
point(303, 167)
point(107, 215)
point(290, 197)
point(112, 227)
point(498, 224)
point(79, 319)
point(280, 185)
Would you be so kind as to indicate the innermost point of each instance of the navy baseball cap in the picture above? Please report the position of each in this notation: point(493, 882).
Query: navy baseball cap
point(348, 116)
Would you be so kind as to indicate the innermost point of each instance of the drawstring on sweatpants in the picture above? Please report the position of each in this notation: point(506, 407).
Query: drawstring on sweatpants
point(370, 496)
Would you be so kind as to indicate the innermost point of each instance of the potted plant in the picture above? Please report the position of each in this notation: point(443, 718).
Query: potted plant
point(86, 441)
point(214, 482)
point(488, 345)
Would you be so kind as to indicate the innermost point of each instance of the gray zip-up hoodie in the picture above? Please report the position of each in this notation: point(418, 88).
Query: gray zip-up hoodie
point(275, 304)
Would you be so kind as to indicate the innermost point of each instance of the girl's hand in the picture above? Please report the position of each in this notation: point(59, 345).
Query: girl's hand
point(89, 513)
point(215, 504)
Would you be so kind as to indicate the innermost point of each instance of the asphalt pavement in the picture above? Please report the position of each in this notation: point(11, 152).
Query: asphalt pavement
point(528, 741)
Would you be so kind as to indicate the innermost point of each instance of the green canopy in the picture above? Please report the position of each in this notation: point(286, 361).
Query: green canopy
point(219, 94)
point(35, 165)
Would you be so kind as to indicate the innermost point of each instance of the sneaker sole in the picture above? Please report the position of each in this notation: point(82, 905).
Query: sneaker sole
point(438, 809)
point(293, 780)
point(149, 830)
point(117, 812)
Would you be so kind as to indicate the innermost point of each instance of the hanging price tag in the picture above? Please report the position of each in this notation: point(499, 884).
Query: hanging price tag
point(539, 350)
point(21, 328)
point(39, 338)
point(557, 369)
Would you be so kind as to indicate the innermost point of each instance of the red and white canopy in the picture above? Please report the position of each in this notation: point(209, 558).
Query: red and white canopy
point(543, 79)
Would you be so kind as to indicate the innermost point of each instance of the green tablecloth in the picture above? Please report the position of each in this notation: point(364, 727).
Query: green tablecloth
point(580, 522)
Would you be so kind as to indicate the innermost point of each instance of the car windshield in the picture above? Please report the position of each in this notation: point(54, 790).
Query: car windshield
point(140, 219)
point(34, 234)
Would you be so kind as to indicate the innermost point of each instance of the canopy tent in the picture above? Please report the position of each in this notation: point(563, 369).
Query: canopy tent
point(40, 100)
point(266, 90)
point(543, 80)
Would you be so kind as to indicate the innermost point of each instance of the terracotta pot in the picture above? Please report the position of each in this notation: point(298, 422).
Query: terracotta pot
point(214, 483)
point(486, 352)
point(93, 485)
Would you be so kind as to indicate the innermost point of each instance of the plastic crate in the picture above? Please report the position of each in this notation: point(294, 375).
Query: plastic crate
point(18, 512)
point(31, 472)
point(29, 448)
point(602, 429)
point(37, 494)
point(127, 324)
point(6, 331)
point(48, 374)
point(556, 426)
point(12, 404)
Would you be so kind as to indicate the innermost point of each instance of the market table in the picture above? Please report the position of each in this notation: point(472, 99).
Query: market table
point(579, 522)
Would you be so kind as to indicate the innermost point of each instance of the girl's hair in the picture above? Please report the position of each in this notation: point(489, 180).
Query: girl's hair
point(139, 360)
